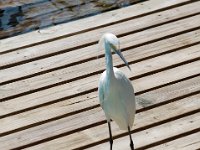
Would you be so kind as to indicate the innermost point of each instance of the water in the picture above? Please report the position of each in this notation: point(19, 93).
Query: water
point(21, 16)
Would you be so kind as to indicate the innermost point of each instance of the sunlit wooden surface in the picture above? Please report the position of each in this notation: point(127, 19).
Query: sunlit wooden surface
point(22, 16)
point(49, 78)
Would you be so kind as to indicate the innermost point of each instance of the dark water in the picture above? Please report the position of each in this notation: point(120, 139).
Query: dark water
point(27, 15)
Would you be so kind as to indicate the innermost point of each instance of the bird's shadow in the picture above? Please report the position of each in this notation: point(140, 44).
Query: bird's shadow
point(143, 102)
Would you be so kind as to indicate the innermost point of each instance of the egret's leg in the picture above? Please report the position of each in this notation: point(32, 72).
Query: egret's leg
point(110, 133)
point(131, 141)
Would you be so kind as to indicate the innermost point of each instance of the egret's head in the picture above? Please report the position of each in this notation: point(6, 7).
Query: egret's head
point(109, 39)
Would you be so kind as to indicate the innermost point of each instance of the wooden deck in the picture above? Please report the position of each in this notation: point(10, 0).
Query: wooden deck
point(49, 78)
point(21, 16)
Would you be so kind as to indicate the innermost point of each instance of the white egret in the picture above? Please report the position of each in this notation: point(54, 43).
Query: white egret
point(115, 90)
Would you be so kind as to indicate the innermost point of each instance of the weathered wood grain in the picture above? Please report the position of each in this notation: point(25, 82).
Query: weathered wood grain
point(52, 103)
point(74, 41)
point(191, 141)
point(84, 24)
point(47, 13)
point(48, 8)
point(140, 68)
point(142, 120)
point(84, 102)
point(90, 83)
point(144, 84)
point(174, 91)
point(133, 39)
point(25, 55)
point(4, 4)
point(148, 50)
point(37, 3)
point(153, 135)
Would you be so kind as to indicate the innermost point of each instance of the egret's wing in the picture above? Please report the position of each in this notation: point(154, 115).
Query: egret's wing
point(126, 93)
point(101, 90)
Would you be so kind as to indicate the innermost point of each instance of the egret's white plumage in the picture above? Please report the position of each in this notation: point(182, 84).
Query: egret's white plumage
point(115, 90)
point(117, 98)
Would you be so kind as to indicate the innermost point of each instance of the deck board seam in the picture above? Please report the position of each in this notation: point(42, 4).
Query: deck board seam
point(92, 43)
point(68, 81)
point(168, 90)
point(100, 56)
point(101, 26)
point(169, 139)
point(96, 106)
point(107, 139)
point(143, 128)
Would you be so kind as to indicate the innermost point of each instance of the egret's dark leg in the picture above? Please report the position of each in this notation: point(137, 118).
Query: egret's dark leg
point(110, 133)
point(131, 141)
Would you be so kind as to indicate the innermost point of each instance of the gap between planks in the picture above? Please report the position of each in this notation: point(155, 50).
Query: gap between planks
point(187, 142)
point(6, 73)
point(63, 46)
point(85, 25)
point(150, 66)
point(156, 135)
point(92, 81)
point(151, 50)
point(60, 14)
point(157, 79)
point(144, 120)
point(153, 62)
point(187, 56)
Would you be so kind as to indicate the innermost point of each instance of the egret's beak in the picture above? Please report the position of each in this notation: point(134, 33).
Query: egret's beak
point(121, 56)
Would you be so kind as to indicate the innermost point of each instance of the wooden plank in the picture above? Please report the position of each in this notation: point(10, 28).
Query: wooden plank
point(155, 63)
point(132, 25)
point(187, 142)
point(4, 4)
point(90, 100)
point(59, 93)
point(48, 13)
point(127, 41)
point(63, 123)
point(82, 69)
point(34, 8)
point(3, 95)
point(36, 3)
point(24, 55)
point(85, 24)
point(49, 8)
point(6, 108)
point(140, 85)
point(33, 11)
point(150, 49)
point(152, 135)
point(99, 132)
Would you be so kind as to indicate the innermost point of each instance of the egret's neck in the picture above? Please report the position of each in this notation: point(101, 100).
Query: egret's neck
point(109, 61)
